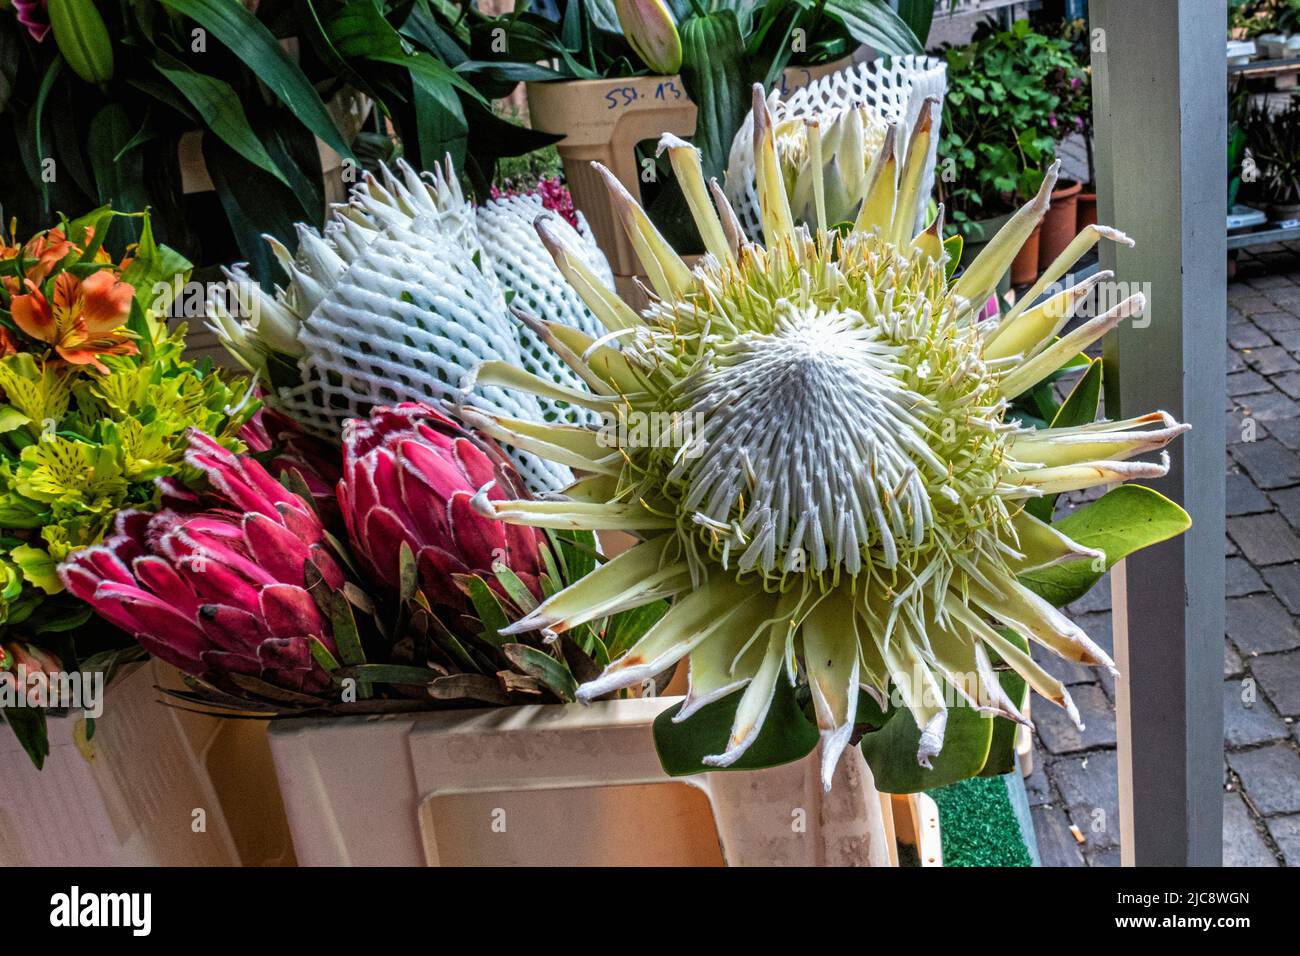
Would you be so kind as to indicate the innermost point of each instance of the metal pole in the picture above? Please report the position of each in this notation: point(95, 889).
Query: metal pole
point(1160, 112)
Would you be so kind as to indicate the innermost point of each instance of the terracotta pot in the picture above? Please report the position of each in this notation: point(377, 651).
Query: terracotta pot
point(1024, 267)
point(1060, 225)
point(566, 785)
point(604, 120)
point(1086, 210)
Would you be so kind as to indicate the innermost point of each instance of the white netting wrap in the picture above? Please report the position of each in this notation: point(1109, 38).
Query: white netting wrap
point(895, 88)
point(524, 267)
point(404, 294)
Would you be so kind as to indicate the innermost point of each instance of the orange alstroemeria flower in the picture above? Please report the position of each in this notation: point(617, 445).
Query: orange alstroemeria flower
point(85, 319)
point(48, 249)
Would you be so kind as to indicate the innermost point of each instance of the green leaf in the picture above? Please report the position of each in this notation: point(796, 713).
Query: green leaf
point(918, 15)
point(1080, 407)
point(253, 43)
point(218, 104)
point(713, 54)
point(787, 735)
point(516, 589)
point(487, 607)
point(544, 667)
point(873, 22)
point(28, 724)
point(38, 567)
point(389, 674)
point(1127, 519)
point(891, 751)
point(626, 627)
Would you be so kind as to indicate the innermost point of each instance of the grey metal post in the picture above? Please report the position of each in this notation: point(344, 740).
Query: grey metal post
point(1160, 110)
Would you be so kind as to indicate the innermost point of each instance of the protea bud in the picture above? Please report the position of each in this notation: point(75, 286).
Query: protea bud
point(651, 31)
point(409, 476)
point(222, 591)
point(828, 160)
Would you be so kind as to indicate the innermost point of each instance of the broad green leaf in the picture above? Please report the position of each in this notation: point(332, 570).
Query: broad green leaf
point(874, 23)
point(626, 627)
point(487, 607)
point(253, 43)
point(918, 15)
point(787, 735)
point(218, 103)
point(713, 53)
point(891, 751)
point(1124, 520)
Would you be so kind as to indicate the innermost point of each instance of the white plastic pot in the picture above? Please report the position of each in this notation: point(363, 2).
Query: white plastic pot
point(141, 798)
point(570, 785)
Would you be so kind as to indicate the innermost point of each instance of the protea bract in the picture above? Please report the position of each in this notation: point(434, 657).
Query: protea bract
point(409, 475)
point(224, 592)
point(846, 504)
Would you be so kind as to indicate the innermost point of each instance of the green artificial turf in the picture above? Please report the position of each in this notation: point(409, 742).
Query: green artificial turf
point(979, 824)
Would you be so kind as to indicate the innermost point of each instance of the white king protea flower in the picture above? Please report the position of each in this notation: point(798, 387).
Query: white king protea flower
point(406, 289)
point(836, 148)
point(842, 502)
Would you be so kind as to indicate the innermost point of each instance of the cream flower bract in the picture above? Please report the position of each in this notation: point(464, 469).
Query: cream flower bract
point(842, 499)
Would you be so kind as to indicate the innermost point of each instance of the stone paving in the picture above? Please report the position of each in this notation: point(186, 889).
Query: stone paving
point(1074, 775)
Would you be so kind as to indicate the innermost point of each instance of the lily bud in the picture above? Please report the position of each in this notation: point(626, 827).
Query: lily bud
point(652, 32)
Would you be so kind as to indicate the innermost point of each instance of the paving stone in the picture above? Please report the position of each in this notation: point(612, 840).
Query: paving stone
point(1240, 426)
point(1288, 383)
point(1259, 624)
point(1243, 579)
point(1286, 834)
point(1056, 844)
point(1269, 776)
point(1270, 280)
point(1265, 539)
point(1246, 382)
point(1246, 725)
point(1284, 581)
point(1059, 734)
point(1272, 322)
point(1108, 856)
point(1089, 786)
point(1246, 335)
point(1279, 677)
point(1243, 844)
point(1269, 463)
point(1271, 360)
point(1229, 547)
point(1285, 430)
point(1232, 664)
point(1037, 787)
point(1269, 406)
point(1289, 340)
point(1236, 363)
point(1288, 504)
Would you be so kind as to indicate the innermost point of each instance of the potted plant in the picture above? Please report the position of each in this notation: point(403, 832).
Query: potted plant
point(1273, 140)
point(942, 582)
point(999, 138)
point(240, 116)
point(626, 72)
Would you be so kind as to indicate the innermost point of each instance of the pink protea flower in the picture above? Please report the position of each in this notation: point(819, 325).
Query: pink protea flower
point(291, 448)
point(223, 590)
point(409, 473)
point(34, 16)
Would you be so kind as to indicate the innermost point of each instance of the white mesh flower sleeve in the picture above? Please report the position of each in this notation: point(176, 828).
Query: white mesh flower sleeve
point(408, 305)
point(524, 267)
point(895, 88)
